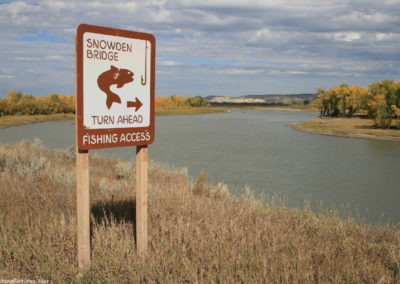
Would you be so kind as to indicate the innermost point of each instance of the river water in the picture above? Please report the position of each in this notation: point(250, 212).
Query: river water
point(256, 149)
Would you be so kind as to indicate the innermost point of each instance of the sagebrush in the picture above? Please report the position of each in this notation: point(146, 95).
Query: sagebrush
point(198, 232)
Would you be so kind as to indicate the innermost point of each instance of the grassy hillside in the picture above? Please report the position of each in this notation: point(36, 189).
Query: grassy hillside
point(197, 231)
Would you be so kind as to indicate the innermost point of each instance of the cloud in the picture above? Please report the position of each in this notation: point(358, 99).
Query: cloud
point(210, 46)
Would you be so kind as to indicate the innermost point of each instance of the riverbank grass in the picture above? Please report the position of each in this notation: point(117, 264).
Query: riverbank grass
point(350, 127)
point(13, 120)
point(198, 232)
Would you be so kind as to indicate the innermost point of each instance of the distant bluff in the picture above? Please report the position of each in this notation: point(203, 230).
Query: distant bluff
point(278, 99)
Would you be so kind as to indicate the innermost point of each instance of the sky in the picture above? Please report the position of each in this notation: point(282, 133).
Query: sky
point(210, 47)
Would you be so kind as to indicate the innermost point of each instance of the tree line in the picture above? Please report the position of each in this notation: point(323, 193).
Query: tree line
point(17, 103)
point(177, 101)
point(380, 101)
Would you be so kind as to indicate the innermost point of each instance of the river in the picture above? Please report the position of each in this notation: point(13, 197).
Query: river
point(257, 149)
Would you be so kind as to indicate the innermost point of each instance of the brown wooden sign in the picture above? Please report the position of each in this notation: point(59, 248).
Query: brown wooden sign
point(115, 87)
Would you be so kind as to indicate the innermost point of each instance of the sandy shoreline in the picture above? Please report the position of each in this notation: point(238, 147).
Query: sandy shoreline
point(346, 127)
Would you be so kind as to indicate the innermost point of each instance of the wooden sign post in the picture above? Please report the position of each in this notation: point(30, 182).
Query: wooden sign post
point(115, 75)
point(141, 199)
point(83, 209)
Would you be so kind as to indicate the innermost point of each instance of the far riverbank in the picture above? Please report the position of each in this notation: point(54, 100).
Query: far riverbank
point(346, 127)
point(14, 120)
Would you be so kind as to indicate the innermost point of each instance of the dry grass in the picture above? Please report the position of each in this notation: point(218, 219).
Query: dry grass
point(12, 120)
point(198, 233)
point(350, 127)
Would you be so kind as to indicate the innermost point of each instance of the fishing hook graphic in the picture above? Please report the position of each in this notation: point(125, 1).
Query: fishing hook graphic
point(144, 80)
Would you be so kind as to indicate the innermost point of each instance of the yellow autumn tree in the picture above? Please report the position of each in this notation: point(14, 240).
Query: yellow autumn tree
point(16, 103)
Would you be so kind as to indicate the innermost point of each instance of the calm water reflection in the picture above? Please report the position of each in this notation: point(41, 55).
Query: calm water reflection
point(255, 148)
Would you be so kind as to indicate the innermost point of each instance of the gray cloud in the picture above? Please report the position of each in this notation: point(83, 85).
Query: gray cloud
point(207, 47)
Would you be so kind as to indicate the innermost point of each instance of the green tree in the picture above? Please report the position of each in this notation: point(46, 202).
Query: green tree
point(13, 97)
point(384, 103)
point(321, 102)
point(197, 101)
point(357, 99)
point(339, 97)
point(3, 107)
point(178, 100)
point(28, 105)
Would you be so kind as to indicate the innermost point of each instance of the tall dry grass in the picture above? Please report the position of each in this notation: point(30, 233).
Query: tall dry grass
point(198, 233)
